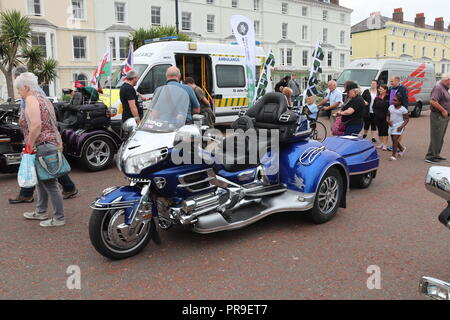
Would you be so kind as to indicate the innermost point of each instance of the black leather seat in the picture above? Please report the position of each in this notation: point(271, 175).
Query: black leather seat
point(270, 112)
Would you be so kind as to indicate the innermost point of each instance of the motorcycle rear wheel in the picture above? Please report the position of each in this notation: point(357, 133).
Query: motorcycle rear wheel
point(110, 242)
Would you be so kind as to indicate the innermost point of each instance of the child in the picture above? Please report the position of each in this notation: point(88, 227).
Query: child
point(312, 107)
point(397, 119)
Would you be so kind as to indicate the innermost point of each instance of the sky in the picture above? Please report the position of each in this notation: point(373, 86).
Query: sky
point(432, 9)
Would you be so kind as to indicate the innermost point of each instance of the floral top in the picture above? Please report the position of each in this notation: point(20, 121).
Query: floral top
point(49, 131)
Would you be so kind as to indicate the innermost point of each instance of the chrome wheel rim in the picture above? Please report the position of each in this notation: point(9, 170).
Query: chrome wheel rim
point(98, 153)
point(120, 237)
point(328, 195)
point(366, 178)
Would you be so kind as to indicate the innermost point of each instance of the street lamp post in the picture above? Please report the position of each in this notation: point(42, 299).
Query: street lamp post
point(176, 16)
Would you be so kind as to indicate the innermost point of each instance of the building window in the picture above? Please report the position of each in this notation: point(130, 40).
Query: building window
point(79, 47)
point(210, 24)
point(234, 3)
point(343, 17)
point(305, 54)
point(330, 59)
point(304, 32)
point(81, 78)
point(112, 43)
point(325, 35)
point(424, 51)
point(156, 16)
point(304, 11)
point(257, 24)
point(78, 9)
point(186, 21)
point(394, 31)
point(282, 57)
point(404, 48)
point(120, 12)
point(443, 68)
point(443, 53)
point(123, 48)
point(342, 60)
point(38, 40)
point(256, 5)
point(34, 7)
point(209, 1)
point(284, 8)
point(325, 15)
point(284, 30)
point(289, 57)
point(434, 52)
point(392, 46)
point(342, 37)
point(414, 51)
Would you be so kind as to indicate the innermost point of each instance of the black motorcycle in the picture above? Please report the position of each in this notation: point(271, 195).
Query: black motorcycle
point(11, 138)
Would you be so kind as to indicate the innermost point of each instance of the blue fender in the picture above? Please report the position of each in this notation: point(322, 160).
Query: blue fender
point(127, 197)
point(306, 178)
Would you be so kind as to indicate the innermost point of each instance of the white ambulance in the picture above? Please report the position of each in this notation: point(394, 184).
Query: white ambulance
point(419, 78)
point(218, 69)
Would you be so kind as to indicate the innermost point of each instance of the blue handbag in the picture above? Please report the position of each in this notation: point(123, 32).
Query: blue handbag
point(51, 166)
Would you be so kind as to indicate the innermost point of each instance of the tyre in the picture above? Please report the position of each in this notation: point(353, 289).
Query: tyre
point(328, 197)
point(112, 238)
point(362, 181)
point(417, 110)
point(318, 131)
point(98, 153)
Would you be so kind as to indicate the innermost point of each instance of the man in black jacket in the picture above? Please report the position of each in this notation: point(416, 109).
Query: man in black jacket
point(398, 89)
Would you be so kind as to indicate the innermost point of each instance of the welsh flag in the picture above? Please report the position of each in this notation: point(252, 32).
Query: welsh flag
point(103, 70)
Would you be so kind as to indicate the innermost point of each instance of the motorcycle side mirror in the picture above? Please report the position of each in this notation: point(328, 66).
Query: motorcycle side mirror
point(130, 125)
point(438, 181)
point(198, 119)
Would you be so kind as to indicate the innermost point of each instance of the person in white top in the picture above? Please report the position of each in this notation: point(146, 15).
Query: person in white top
point(397, 118)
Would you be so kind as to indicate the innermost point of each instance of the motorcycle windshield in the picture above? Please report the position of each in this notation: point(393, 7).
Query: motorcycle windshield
point(168, 111)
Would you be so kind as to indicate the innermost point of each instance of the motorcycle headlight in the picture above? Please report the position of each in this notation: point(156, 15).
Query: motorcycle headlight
point(135, 164)
point(434, 288)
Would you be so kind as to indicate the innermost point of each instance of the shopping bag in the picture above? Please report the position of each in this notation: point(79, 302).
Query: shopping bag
point(51, 166)
point(27, 177)
point(338, 127)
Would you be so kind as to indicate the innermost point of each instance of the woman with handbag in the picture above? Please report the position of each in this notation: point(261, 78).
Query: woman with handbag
point(352, 112)
point(38, 123)
point(369, 96)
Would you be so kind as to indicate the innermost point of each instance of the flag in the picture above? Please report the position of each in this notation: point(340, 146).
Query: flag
point(314, 74)
point(103, 70)
point(129, 63)
point(244, 32)
point(264, 78)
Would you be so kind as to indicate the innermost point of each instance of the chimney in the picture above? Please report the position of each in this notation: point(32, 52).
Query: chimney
point(439, 24)
point(448, 27)
point(420, 20)
point(398, 15)
point(336, 2)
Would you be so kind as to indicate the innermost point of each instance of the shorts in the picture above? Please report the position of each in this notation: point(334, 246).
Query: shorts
point(393, 130)
point(370, 122)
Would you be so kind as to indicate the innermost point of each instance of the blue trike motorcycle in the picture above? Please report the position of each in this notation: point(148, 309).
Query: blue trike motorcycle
point(228, 189)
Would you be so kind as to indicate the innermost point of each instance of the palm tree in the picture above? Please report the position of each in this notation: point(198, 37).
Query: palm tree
point(47, 71)
point(139, 36)
point(15, 34)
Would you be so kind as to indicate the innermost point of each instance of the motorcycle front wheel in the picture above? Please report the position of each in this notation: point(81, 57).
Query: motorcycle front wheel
point(114, 239)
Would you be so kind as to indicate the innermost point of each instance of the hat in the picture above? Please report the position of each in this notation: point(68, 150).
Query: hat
point(350, 86)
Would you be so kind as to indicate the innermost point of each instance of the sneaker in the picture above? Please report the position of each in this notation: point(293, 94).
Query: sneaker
point(52, 223)
point(21, 199)
point(392, 158)
point(441, 159)
point(390, 148)
point(432, 160)
point(374, 140)
point(401, 154)
point(35, 215)
point(380, 146)
point(70, 194)
point(385, 148)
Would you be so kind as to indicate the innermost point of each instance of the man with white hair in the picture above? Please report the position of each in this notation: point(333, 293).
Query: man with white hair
point(334, 99)
point(173, 77)
point(440, 109)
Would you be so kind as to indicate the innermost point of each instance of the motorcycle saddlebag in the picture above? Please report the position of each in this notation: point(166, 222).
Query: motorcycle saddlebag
point(93, 116)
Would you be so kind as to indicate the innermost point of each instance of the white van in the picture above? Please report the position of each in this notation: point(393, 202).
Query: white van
point(419, 78)
point(218, 69)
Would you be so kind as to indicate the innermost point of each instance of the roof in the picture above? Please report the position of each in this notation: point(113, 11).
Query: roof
point(120, 27)
point(329, 4)
point(381, 24)
point(41, 22)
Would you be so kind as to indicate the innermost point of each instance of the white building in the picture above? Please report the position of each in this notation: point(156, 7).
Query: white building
point(291, 28)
